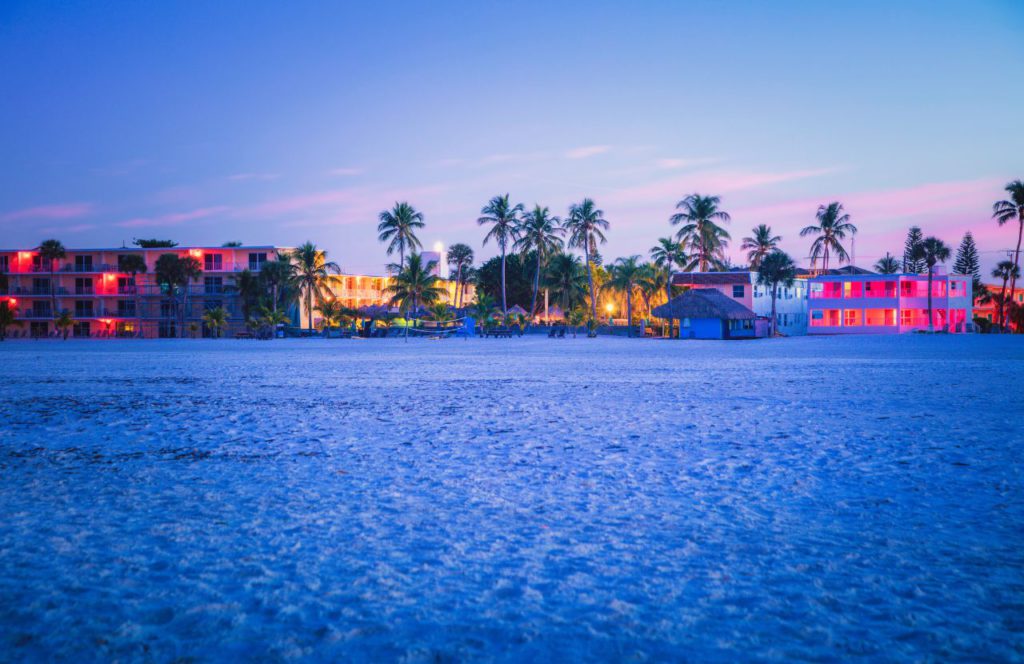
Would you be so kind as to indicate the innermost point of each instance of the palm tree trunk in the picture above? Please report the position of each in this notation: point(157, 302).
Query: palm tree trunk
point(775, 291)
point(504, 304)
point(53, 292)
point(138, 302)
point(629, 313)
point(1002, 306)
point(931, 326)
point(593, 296)
point(309, 309)
point(1016, 254)
point(536, 287)
point(458, 287)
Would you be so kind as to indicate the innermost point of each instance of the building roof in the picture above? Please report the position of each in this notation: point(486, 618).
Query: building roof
point(710, 278)
point(704, 303)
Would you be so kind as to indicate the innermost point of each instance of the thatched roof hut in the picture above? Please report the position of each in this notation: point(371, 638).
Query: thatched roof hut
point(704, 303)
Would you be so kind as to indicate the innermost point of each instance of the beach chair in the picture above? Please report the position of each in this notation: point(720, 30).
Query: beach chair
point(561, 333)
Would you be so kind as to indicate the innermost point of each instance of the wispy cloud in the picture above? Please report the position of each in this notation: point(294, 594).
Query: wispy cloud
point(711, 182)
point(243, 177)
point(587, 151)
point(346, 172)
point(57, 211)
point(174, 218)
point(671, 164)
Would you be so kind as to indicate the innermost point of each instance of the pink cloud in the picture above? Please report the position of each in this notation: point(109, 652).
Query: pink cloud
point(587, 151)
point(59, 211)
point(174, 218)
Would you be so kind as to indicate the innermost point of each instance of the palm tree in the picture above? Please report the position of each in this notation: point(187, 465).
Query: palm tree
point(1005, 211)
point(833, 225)
point(332, 310)
point(776, 269)
point(398, 227)
point(700, 232)
point(414, 285)
point(64, 323)
point(1006, 271)
point(653, 280)
point(932, 250)
point(134, 265)
point(585, 226)
point(270, 318)
point(567, 280)
point(278, 274)
point(312, 272)
point(667, 253)
point(8, 314)
point(887, 264)
point(625, 275)
point(460, 258)
point(247, 285)
point(52, 251)
point(441, 313)
point(503, 217)
point(174, 273)
point(760, 244)
point(216, 319)
point(540, 233)
point(483, 308)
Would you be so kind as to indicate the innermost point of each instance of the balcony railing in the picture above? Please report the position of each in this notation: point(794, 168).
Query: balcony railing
point(91, 267)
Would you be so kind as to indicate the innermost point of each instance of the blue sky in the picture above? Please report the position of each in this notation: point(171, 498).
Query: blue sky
point(273, 123)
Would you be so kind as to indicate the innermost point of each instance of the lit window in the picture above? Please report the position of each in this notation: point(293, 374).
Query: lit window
point(851, 317)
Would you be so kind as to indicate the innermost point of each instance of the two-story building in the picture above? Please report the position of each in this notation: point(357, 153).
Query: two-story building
point(888, 303)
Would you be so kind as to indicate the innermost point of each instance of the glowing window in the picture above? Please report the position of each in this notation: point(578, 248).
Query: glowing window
point(851, 317)
point(853, 289)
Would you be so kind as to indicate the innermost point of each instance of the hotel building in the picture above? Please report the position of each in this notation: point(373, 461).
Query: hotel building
point(106, 301)
point(990, 310)
point(888, 303)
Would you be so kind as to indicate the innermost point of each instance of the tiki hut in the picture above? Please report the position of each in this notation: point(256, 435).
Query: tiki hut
point(706, 313)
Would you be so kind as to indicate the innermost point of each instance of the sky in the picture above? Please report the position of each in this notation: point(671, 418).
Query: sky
point(281, 122)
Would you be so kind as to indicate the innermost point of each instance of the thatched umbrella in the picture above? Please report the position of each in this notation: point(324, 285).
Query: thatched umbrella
point(703, 303)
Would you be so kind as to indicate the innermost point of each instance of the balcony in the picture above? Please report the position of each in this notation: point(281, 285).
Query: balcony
point(38, 292)
point(92, 267)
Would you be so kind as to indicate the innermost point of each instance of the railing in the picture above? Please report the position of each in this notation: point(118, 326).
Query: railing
point(22, 290)
point(91, 267)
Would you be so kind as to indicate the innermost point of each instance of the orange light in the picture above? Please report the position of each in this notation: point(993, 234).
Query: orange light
point(195, 253)
point(24, 254)
point(12, 302)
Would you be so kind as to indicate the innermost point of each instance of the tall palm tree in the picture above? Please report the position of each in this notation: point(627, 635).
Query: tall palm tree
point(398, 227)
point(566, 279)
point(216, 320)
point(134, 265)
point(540, 233)
point(653, 280)
point(585, 226)
point(833, 225)
point(503, 218)
point(776, 269)
point(460, 258)
point(759, 245)
point(667, 253)
point(312, 272)
point(624, 277)
point(278, 274)
point(247, 285)
point(1007, 210)
point(887, 264)
point(414, 285)
point(175, 273)
point(932, 250)
point(1006, 271)
point(700, 231)
point(52, 251)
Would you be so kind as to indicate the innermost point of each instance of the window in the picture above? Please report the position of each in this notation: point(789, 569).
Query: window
point(256, 261)
point(83, 286)
point(125, 308)
point(938, 289)
point(213, 262)
point(879, 317)
point(851, 317)
point(737, 291)
point(5, 264)
point(83, 308)
point(213, 285)
point(82, 329)
point(853, 289)
point(125, 285)
point(825, 318)
point(83, 263)
point(166, 309)
point(40, 309)
point(880, 289)
point(40, 286)
point(213, 304)
point(686, 322)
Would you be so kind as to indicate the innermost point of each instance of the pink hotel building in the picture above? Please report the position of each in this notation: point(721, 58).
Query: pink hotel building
point(888, 303)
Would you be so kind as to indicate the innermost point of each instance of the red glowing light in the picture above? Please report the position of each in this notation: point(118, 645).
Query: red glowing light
point(195, 253)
